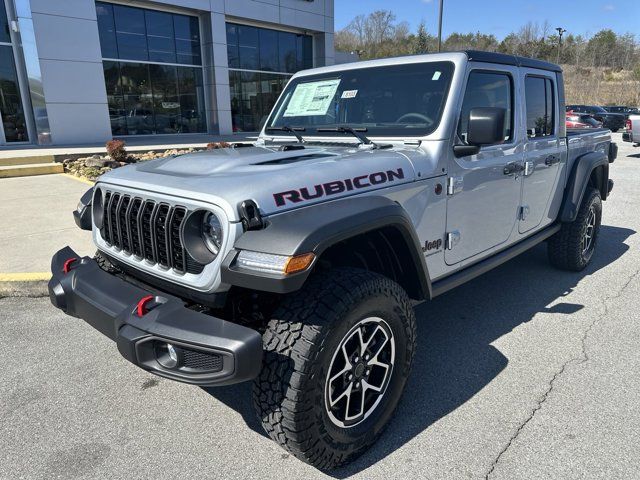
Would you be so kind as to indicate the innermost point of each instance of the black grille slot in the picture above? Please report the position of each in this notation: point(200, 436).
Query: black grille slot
point(123, 224)
point(105, 215)
point(178, 252)
point(161, 233)
point(148, 230)
point(193, 266)
point(210, 362)
point(113, 220)
point(132, 221)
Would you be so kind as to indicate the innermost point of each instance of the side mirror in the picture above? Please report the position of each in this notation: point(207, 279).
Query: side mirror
point(486, 127)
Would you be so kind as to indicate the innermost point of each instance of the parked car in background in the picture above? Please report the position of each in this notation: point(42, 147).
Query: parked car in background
point(581, 120)
point(632, 130)
point(612, 121)
point(626, 111)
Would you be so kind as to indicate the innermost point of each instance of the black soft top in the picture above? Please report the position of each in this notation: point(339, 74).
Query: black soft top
point(505, 59)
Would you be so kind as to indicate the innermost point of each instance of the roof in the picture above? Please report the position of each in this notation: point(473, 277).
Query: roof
point(505, 59)
point(456, 57)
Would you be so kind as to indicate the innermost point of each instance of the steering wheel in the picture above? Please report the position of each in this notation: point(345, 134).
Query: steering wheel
point(417, 115)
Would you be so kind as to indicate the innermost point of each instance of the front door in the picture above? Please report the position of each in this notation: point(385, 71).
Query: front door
point(484, 196)
point(544, 153)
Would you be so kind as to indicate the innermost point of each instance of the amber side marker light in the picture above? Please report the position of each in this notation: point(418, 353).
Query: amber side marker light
point(299, 263)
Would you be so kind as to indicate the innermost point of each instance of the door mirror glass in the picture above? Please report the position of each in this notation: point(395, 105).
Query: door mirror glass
point(486, 126)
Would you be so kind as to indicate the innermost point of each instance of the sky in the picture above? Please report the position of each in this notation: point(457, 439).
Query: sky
point(500, 17)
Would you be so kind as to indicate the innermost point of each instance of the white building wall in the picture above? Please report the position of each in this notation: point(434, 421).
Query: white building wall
point(71, 65)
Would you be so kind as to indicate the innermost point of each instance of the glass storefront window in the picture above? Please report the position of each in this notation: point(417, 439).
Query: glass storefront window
point(11, 111)
point(165, 93)
point(5, 36)
point(261, 50)
point(160, 37)
point(132, 33)
point(253, 95)
point(253, 48)
point(149, 99)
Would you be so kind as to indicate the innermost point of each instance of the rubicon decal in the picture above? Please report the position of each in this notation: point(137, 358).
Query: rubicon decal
point(337, 186)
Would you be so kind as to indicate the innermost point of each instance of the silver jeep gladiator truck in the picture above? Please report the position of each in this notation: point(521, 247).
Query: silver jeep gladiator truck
point(295, 262)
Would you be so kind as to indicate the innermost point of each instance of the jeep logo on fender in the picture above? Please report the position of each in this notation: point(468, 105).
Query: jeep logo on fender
point(337, 186)
point(433, 245)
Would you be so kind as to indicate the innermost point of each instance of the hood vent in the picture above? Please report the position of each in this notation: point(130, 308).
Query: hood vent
point(300, 158)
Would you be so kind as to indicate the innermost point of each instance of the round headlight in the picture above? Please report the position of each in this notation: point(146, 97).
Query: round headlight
point(202, 236)
point(212, 232)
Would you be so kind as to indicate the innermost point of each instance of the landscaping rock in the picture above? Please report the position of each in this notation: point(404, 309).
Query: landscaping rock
point(100, 162)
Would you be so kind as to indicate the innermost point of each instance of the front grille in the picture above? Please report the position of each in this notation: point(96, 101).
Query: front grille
point(195, 360)
point(148, 230)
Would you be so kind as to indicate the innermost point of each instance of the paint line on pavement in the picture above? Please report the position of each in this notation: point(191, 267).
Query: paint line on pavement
point(78, 179)
point(25, 277)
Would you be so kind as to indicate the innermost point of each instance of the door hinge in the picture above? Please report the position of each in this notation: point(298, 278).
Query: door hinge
point(523, 212)
point(454, 185)
point(453, 238)
point(529, 167)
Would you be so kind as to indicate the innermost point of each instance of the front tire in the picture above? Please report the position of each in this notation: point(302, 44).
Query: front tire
point(337, 357)
point(574, 245)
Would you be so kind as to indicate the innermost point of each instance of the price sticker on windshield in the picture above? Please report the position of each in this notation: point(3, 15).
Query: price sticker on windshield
point(349, 94)
point(313, 98)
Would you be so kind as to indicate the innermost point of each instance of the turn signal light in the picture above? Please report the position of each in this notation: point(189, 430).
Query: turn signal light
point(299, 263)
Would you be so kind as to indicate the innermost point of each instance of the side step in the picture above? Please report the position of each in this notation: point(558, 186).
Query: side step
point(477, 269)
point(30, 170)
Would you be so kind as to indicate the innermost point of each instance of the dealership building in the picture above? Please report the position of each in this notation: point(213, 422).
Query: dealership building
point(84, 71)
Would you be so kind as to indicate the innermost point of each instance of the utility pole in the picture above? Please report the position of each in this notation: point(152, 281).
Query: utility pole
point(560, 31)
point(440, 27)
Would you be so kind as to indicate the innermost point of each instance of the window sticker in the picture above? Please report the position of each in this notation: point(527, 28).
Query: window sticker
point(436, 76)
point(313, 98)
point(349, 94)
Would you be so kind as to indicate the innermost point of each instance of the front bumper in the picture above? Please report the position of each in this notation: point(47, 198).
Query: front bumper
point(210, 351)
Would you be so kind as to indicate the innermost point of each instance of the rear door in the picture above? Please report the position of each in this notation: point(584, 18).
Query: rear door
point(484, 191)
point(545, 153)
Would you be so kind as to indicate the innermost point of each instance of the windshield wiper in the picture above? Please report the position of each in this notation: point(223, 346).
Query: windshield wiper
point(356, 132)
point(287, 128)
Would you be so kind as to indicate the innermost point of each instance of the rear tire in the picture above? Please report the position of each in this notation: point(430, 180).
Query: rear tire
point(337, 357)
point(573, 246)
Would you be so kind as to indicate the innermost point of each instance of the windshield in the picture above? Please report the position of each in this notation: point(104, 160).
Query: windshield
point(402, 100)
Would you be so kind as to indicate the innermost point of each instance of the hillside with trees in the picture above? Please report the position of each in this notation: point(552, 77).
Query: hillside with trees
point(601, 69)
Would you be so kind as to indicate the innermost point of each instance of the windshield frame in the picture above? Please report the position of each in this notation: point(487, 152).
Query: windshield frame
point(401, 133)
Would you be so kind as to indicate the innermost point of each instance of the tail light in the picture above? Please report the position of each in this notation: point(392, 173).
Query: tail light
point(628, 124)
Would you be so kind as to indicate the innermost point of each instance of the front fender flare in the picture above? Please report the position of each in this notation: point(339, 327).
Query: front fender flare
point(316, 228)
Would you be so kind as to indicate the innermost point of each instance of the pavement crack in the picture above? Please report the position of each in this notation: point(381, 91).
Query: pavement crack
point(582, 358)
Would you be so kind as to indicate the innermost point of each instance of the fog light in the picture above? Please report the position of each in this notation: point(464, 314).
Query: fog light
point(167, 355)
point(173, 355)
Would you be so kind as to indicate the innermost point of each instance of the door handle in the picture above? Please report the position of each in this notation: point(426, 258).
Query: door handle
point(512, 167)
point(551, 160)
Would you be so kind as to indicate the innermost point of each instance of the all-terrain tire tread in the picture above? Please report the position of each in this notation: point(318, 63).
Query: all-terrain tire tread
point(293, 341)
point(563, 248)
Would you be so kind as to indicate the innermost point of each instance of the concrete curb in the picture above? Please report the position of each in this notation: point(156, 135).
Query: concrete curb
point(28, 289)
point(30, 285)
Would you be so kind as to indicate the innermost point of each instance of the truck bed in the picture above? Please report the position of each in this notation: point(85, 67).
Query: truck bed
point(585, 140)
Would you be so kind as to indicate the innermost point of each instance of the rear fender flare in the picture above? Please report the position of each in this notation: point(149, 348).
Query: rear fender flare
point(579, 179)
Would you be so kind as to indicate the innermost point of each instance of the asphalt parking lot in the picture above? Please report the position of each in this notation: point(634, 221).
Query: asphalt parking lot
point(526, 372)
